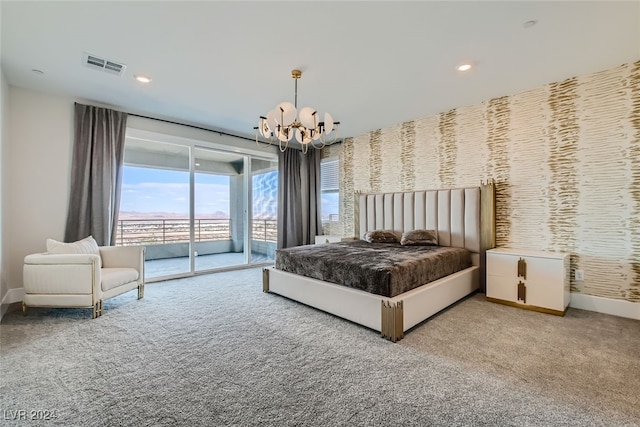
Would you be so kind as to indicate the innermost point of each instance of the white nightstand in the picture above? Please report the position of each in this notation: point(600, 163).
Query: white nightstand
point(534, 280)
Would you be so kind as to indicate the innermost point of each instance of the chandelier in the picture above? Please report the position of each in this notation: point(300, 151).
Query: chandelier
point(285, 121)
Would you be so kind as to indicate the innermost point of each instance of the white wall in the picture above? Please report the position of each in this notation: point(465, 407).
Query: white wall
point(37, 157)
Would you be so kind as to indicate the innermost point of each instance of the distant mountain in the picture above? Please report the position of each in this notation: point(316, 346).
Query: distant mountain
point(129, 215)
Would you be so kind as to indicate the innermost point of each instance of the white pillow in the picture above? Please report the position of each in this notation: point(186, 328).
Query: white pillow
point(87, 246)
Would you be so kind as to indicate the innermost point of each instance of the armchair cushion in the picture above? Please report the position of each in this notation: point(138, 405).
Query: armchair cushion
point(88, 245)
point(114, 277)
point(66, 274)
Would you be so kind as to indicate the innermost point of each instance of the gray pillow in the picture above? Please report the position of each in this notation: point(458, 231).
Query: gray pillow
point(419, 238)
point(381, 236)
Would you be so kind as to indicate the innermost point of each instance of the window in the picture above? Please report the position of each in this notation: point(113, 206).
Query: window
point(188, 204)
point(330, 192)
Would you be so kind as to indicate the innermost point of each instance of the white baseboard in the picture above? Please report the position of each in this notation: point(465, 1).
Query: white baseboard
point(615, 307)
point(12, 296)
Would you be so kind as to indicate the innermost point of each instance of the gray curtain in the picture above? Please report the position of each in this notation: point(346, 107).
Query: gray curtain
point(298, 197)
point(96, 174)
point(310, 195)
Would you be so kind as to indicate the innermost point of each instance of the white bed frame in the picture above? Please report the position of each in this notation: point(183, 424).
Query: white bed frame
point(463, 217)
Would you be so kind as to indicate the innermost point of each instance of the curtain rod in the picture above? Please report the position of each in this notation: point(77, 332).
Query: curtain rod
point(339, 141)
point(214, 131)
point(178, 123)
point(192, 126)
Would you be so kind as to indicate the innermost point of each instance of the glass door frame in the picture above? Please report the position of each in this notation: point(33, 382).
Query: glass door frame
point(192, 145)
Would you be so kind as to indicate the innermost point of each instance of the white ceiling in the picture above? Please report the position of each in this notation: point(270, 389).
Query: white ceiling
point(370, 64)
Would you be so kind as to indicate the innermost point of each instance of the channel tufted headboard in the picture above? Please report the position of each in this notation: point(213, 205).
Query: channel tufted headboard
point(454, 213)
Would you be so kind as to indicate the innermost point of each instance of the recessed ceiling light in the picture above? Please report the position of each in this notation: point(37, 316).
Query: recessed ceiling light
point(530, 24)
point(142, 79)
point(464, 67)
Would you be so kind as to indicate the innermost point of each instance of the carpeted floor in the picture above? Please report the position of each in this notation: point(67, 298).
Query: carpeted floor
point(215, 350)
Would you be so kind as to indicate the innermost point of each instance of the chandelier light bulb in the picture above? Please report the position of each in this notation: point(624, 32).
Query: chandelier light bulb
point(272, 124)
point(286, 113)
point(328, 123)
point(263, 127)
point(309, 117)
point(303, 137)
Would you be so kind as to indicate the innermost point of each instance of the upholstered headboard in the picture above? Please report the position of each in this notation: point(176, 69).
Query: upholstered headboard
point(454, 213)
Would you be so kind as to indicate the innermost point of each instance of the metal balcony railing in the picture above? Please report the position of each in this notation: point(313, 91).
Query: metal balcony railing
point(165, 231)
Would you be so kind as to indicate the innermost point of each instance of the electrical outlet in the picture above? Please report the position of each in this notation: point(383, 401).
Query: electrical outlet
point(195, 253)
point(579, 275)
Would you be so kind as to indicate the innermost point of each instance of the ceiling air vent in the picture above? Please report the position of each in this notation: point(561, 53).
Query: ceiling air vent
point(97, 63)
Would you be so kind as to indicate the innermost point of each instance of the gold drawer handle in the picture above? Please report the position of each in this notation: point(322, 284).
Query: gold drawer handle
point(522, 292)
point(522, 268)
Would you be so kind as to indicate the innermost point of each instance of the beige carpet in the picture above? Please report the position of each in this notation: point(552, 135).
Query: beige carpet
point(214, 350)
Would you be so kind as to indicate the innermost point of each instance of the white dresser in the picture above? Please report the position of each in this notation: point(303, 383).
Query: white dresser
point(533, 280)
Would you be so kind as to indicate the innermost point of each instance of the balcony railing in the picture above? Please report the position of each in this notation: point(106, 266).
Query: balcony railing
point(165, 231)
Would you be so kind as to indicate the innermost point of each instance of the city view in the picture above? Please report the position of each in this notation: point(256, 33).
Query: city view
point(154, 207)
point(157, 194)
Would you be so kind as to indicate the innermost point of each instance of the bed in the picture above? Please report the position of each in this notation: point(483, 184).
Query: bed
point(462, 217)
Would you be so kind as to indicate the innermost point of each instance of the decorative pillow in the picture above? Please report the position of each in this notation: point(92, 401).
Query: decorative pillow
point(419, 238)
point(88, 245)
point(381, 236)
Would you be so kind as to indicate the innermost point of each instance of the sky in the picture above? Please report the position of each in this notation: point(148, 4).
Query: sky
point(158, 190)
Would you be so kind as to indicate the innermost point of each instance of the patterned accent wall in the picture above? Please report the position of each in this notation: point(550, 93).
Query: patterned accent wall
point(564, 191)
point(634, 183)
point(447, 149)
point(375, 158)
point(565, 158)
point(498, 119)
point(407, 150)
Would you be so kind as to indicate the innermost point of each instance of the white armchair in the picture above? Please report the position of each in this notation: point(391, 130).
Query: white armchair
point(82, 280)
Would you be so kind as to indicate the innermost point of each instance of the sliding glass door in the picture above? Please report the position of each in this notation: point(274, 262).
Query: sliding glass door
point(197, 208)
point(154, 205)
point(264, 201)
point(220, 209)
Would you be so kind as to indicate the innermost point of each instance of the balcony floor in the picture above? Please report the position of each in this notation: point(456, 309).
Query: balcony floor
point(172, 266)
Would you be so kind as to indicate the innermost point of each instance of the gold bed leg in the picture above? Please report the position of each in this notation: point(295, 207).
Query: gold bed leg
point(392, 326)
point(265, 280)
point(141, 291)
point(24, 309)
